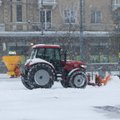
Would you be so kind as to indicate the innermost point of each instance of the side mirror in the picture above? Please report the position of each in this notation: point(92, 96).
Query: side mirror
point(63, 55)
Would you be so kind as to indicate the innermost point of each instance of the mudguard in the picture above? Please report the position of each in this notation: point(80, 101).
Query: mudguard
point(31, 62)
point(36, 60)
point(76, 69)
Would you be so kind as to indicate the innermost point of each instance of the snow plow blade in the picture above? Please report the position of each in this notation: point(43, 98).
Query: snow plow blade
point(99, 81)
point(12, 63)
point(106, 79)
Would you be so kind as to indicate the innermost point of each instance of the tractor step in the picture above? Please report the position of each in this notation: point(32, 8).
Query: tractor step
point(59, 77)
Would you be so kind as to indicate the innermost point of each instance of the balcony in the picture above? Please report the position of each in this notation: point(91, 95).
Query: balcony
point(39, 27)
point(47, 3)
point(115, 6)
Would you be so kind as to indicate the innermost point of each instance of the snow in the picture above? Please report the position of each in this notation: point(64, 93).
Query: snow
point(58, 103)
point(37, 60)
point(54, 33)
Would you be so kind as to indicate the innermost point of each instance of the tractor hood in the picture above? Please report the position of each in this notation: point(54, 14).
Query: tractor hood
point(70, 64)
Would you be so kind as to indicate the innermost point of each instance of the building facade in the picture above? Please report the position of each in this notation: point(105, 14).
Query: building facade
point(59, 20)
point(29, 15)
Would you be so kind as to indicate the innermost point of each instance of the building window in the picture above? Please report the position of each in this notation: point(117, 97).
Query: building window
point(19, 11)
point(69, 16)
point(102, 51)
point(96, 17)
point(45, 18)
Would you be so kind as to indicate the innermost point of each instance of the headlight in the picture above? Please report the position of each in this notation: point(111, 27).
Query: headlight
point(83, 66)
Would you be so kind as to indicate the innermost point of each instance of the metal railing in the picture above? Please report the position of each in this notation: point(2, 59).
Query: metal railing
point(47, 2)
point(38, 26)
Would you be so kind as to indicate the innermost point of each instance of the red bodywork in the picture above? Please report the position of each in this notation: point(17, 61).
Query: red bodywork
point(72, 65)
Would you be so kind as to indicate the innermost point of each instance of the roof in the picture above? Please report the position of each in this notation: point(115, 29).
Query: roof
point(46, 46)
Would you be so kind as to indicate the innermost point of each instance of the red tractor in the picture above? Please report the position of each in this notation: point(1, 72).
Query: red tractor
point(48, 64)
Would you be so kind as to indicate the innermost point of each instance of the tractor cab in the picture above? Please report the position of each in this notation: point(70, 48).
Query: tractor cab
point(50, 53)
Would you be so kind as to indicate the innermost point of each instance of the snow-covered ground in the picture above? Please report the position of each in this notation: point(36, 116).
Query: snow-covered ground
point(58, 103)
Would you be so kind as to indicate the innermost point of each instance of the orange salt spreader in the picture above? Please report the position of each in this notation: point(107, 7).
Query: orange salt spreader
point(12, 63)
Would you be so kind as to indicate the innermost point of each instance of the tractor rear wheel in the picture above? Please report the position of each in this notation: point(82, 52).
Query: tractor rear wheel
point(78, 79)
point(26, 83)
point(42, 75)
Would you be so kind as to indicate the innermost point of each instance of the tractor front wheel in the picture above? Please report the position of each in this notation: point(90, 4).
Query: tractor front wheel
point(78, 79)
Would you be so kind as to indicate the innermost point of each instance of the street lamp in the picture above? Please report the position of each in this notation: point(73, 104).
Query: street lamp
point(81, 31)
point(42, 16)
point(119, 60)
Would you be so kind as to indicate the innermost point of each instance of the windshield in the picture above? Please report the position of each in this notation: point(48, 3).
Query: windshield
point(33, 54)
point(53, 54)
point(46, 53)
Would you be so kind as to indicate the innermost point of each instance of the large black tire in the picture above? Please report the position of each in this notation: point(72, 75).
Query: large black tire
point(42, 75)
point(26, 84)
point(77, 79)
point(64, 84)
